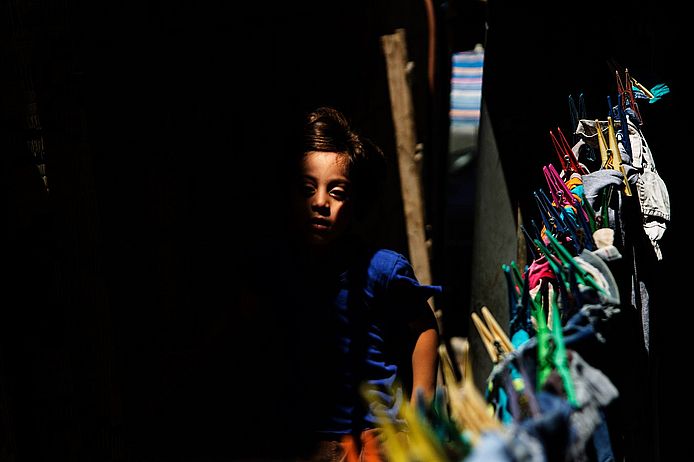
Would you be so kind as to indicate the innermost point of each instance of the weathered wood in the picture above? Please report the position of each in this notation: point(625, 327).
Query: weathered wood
point(395, 51)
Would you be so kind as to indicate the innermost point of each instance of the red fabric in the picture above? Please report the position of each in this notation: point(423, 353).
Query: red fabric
point(538, 270)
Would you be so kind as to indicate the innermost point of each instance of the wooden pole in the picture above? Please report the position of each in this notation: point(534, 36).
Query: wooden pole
point(395, 50)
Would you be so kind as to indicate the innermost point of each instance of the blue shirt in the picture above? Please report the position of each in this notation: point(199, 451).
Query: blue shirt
point(376, 300)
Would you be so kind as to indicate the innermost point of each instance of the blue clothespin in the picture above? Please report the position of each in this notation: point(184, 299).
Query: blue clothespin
point(623, 127)
point(528, 242)
point(544, 213)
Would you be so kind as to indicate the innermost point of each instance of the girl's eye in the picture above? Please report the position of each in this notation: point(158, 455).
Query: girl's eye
point(339, 194)
point(308, 190)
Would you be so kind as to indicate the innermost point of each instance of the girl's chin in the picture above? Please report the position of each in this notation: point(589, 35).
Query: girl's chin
point(319, 239)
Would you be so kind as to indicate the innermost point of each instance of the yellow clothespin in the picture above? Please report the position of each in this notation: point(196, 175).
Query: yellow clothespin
point(609, 153)
point(467, 404)
point(605, 156)
point(645, 90)
point(493, 336)
point(616, 155)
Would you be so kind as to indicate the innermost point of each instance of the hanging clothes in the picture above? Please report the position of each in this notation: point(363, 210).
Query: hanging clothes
point(653, 196)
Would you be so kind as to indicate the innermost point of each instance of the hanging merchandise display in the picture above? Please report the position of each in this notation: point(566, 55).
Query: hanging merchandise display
point(545, 397)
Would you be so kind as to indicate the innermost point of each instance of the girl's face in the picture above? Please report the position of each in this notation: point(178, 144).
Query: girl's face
point(325, 204)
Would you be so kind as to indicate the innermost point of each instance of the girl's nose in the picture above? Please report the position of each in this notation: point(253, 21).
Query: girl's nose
point(320, 202)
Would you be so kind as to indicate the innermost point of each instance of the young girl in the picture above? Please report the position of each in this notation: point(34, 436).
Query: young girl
point(369, 302)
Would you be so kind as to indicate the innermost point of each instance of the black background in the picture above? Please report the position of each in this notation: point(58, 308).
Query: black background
point(128, 331)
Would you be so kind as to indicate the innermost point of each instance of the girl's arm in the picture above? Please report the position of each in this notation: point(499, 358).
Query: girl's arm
point(425, 363)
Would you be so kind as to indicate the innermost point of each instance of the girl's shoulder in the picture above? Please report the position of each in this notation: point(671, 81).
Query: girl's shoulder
point(388, 261)
point(383, 265)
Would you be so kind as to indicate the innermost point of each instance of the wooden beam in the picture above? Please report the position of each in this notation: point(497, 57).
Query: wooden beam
point(395, 50)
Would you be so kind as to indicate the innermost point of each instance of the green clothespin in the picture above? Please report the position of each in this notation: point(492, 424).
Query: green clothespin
point(549, 256)
point(518, 276)
point(552, 263)
point(559, 358)
point(544, 361)
point(590, 211)
point(583, 276)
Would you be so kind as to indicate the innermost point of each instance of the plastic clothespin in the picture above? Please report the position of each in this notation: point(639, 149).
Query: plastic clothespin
point(617, 155)
point(624, 127)
point(562, 195)
point(553, 261)
point(545, 214)
point(558, 216)
point(518, 276)
point(577, 167)
point(528, 241)
point(584, 277)
point(627, 94)
point(559, 357)
point(493, 336)
point(609, 151)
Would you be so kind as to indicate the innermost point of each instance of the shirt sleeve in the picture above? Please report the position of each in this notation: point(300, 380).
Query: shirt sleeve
point(408, 296)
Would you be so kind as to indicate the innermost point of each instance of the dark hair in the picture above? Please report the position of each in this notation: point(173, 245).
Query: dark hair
point(328, 130)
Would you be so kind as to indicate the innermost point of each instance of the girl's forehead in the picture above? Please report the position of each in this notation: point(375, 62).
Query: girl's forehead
point(320, 160)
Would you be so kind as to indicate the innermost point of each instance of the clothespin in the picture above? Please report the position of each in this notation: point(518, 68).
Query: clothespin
point(493, 336)
point(520, 319)
point(627, 94)
point(468, 407)
point(559, 357)
point(616, 155)
point(586, 224)
point(624, 127)
point(645, 90)
point(559, 220)
point(528, 241)
point(512, 288)
point(577, 167)
point(555, 264)
point(609, 151)
point(423, 443)
point(652, 95)
point(544, 363)
point(545, 213)
point(563, 197)
point(518, 277)
point(584, 277)
point(575, 115)
point(556, 217)
point(590, 212)
point(567, 159)
point(551, 352)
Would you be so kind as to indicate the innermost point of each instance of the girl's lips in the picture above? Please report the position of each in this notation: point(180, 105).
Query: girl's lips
point(320, 224)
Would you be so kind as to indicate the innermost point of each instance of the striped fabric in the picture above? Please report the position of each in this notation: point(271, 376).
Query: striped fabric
point(466, 87)
point(465, 104)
